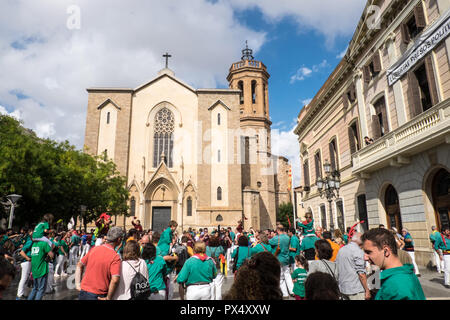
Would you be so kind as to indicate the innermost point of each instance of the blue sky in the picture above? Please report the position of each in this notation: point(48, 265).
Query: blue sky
point(51, 51)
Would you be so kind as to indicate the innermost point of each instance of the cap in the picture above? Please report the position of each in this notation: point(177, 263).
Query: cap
point(114, 233)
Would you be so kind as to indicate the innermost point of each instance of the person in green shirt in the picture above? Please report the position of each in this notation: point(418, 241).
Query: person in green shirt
point(262, 245)
point(442, 245)
point(42, 229)
point(25, 267)
point(198, 273)
point(435, 234)
point(398, 281)
point(39, 268)
point(241, 253)
point(281, 241)
point(299, 277)
point(294, 247)
point(166, 238)
point(157, 271)
point(216, 252)
point(63, 252)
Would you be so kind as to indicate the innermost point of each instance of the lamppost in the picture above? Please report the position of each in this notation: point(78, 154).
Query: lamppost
point(83, 218)
point(329, 187)
point(12, 198)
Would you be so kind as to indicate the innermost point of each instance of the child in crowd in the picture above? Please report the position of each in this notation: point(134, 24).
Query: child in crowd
point(299, 277)
point(42, 229)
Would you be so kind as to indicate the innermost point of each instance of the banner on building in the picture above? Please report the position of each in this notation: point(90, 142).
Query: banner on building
point(426, 42)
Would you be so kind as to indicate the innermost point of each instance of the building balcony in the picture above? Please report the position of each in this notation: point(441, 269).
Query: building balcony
point(425, 131)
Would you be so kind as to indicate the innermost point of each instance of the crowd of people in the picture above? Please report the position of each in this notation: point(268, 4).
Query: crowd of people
point(305, 263)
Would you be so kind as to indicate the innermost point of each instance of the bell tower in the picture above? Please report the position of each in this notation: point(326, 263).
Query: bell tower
point(251, 77)
point(257, 168)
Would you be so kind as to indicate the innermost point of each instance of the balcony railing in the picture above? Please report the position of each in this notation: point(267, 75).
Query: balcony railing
point(247, 63)
point(428, 129)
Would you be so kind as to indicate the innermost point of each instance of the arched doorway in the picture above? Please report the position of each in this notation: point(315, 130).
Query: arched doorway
point(392, 206)
point(441, 197)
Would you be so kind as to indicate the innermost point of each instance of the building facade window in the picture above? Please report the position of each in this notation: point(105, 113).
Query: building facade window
point(323, 216)
point(353, 137)
point(441, 197)
point(218, 119)
point(362, 212)
point(414, 25)
point(253, 91)
point(218, 155)
point(163, 137)
point(379, 119)
point(334, 160)
point(219, 193)
point(132, 207)
point(108, 117)
point(241, 95)
point(318, 164)
point(392, 206)
point(189, 206)
point(306, 180)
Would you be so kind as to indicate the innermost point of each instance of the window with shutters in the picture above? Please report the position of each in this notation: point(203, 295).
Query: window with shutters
point(379, 120)
point(349, 96)
point(318, 164)
point(163, 137)
point(422, 88)
point(414, 25)
point(353, 137)
point(306, 173)
point(334, 161)
point(372, 69)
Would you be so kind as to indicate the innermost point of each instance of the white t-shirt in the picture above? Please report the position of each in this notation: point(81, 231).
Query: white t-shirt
point(127, 274)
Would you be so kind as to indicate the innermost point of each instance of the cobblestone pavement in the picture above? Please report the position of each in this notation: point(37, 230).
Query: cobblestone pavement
point(432, 284)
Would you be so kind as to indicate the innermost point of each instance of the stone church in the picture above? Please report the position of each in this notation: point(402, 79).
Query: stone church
point(201, 157)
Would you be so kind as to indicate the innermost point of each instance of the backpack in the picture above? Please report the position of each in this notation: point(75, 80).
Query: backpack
point(139, 287)
point(181, 252)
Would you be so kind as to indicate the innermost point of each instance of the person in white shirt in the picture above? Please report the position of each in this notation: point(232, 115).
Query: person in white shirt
point(131, 264)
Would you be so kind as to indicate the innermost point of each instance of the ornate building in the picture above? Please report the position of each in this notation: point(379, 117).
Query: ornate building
point(198, 156)
point(393, 86)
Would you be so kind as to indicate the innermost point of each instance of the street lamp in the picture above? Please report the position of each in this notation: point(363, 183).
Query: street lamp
point(12, 198)
point(329, 187)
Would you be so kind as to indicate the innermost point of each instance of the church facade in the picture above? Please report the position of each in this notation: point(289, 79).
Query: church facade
point(198, 156)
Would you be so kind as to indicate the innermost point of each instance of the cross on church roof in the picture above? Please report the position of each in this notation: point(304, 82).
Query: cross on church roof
point(167, 56)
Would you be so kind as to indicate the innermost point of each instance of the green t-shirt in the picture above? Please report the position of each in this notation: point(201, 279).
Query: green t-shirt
point(62, 244)
point(244, 254)
point(39, 250)
point(440, 244)
point(157, 270)
point(27, 247)
point(75, 240)
point(295, 243)
point(308, 242)
point(400, 284)
point(299, 286)
point(4, 239)
point(283, 256)
point(195, 270)
point(39, 230)
point(260, 248)
point(164, 242)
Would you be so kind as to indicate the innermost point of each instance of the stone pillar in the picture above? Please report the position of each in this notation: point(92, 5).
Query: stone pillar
point(398, 91)
point(361, 105)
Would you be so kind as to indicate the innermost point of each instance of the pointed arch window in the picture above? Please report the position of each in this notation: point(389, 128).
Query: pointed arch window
point(132, 207)
point(241, 95)
point(163, 137)
point(253, 91)
point(108, 117)
point(219, 193)
point(189, 206)
point(218, 119)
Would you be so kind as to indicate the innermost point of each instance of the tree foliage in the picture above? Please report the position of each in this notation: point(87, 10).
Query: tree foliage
point(56, 178)
point(286, 210)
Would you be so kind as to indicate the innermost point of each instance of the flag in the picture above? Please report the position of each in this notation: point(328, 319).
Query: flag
point(289, 222)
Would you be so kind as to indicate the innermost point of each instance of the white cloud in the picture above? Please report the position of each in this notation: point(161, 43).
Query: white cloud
point(342, 54)
point(329, 18)
point(119, 44)
point(305, 102)
point(285, 143)
point(304, 72)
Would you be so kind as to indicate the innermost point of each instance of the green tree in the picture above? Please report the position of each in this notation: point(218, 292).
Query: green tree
point(286, 210)
point(55, 177)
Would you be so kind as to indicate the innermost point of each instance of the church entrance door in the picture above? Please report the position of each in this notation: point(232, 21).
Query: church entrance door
point(161, 218)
